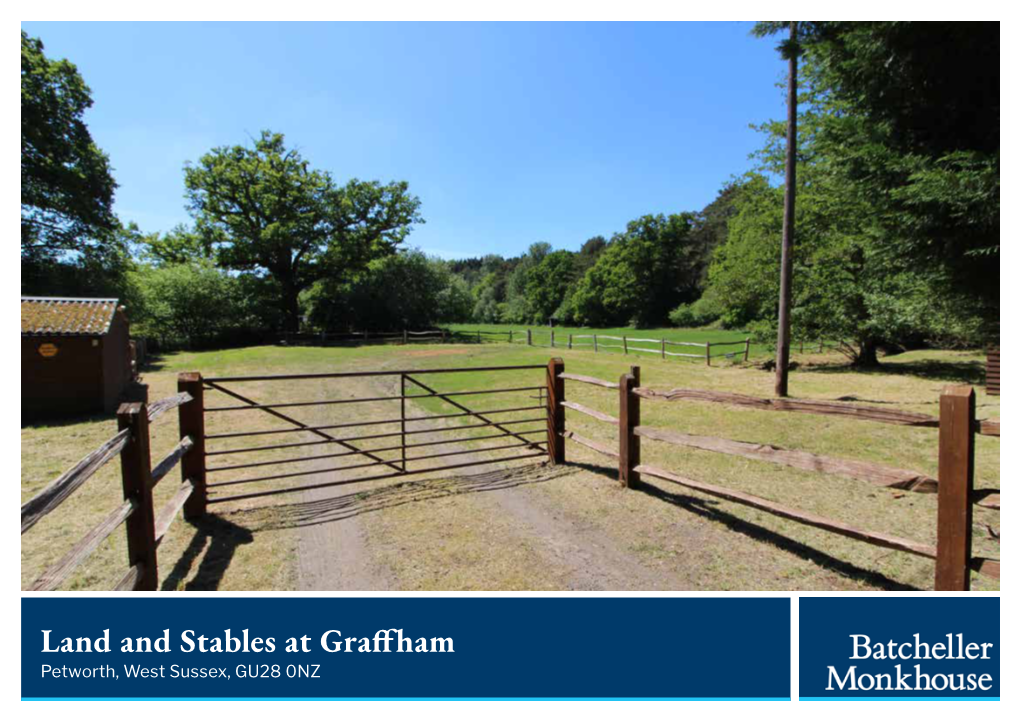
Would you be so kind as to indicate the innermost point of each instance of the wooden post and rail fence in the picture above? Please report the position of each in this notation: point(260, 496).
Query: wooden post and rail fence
point(956, 423)
point(628, 344)
point(146, 527)
point(363, 337)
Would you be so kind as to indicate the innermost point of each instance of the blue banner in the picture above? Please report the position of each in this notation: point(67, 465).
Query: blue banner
point(406, 648)
point(884, 648)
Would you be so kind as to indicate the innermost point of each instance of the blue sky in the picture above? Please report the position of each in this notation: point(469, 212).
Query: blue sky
point(509, 133)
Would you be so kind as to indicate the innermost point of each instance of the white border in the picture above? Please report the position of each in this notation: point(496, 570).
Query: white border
point(595, 711)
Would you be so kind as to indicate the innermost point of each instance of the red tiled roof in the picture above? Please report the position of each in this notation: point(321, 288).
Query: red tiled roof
point(67, 316)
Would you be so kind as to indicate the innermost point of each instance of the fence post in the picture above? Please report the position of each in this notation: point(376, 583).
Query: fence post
point(625, 345)
point(663, 343)
point(191, 419)
point(510, 337)
point(479, 337)
point(552, 338)
point(403, 423)
point(556, 415)
point(570, 341)
point(595, 341)
point(405, 336)
point(956, 486)
point(630, 417)
point(708, 354)
point(821, 346)
point(529, 336)
point(136, 476)
point(747, 348)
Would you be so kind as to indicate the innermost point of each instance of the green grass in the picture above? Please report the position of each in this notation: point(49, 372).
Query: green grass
point(715, 545)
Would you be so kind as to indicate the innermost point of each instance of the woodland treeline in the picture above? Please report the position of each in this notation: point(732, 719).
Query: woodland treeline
point(897, 221)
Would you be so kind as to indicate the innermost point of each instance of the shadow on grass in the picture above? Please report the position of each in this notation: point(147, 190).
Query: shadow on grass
point(971, 372)
point(339, 508)
point(711, 511)
point(215, 541)
point(55, 421)
point(154, 362)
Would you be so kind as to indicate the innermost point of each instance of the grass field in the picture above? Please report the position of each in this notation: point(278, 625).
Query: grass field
point(542, 529)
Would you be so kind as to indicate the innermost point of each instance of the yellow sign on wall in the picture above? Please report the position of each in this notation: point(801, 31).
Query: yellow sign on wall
point(48, 350)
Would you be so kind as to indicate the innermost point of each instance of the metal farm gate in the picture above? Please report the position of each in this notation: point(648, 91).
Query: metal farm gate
point(389, 437)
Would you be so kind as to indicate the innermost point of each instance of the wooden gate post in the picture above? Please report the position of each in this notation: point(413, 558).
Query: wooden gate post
point(956, 486)
point(630, 418)
point(191, 419)
point(136, 476)
point(556, 416)
point(992, 373)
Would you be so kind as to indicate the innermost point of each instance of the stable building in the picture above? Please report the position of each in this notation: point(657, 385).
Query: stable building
point(75, 356)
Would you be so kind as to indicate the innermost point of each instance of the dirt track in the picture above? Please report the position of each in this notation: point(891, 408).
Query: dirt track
point(457, 530)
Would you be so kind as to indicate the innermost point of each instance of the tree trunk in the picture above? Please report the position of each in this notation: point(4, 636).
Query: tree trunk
point(867, 355)
point(786, 265)
point(291, 309)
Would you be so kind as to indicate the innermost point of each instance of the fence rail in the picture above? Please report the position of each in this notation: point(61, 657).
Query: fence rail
point(956, 424)
point(988, 427)
point(144, 529)
point(873, 473)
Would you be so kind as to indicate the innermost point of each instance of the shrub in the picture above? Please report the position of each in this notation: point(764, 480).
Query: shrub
point(701, 312)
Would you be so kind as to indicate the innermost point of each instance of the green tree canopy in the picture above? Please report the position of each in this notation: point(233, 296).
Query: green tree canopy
point(910, 111)
point(190, 304)
point(547, 284)
point(642, 274)
point(855, 280)
point(180, 245)
point(71, 243)
point(66, 185)
point(398, 291)
point(265, 211)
